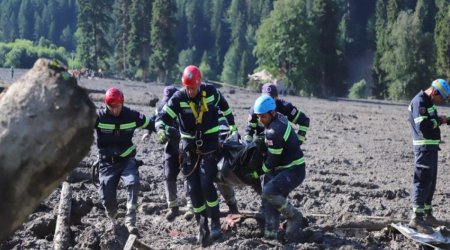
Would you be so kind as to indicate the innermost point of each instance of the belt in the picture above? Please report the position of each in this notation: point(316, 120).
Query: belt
point(112, 159)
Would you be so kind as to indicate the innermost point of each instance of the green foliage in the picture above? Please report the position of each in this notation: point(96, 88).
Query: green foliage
point(358, 90)
point(23, 53)
point(205, 68)
point(442, 36)
point(185, 58)
point(284, 45)
point(162, 39)
point(408, 65)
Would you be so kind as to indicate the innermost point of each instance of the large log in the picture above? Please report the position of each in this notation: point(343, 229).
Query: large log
point(46, 128)
point(62, 231)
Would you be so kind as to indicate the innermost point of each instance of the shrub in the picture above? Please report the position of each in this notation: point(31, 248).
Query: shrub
point(358, 90)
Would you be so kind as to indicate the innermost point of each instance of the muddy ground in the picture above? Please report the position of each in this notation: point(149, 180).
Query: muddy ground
point(359, 165)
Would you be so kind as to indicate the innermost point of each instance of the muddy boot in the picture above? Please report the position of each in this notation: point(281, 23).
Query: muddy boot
point(270, 234)
point(203, 231)
point(417, 222)
point(294, 220)
point(172, 213)
point(430, 220)
point(130, 222)
point(215, 231)
point(189, 212)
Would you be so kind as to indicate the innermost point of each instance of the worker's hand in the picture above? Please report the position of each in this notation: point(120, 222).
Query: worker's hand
point(162, 137)
point(248, 138)
point(145, 137)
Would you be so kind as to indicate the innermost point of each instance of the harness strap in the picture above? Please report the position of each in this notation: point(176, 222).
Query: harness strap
point(203, 108)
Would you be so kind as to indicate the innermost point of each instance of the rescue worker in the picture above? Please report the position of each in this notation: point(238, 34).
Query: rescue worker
point(283, 169)
point(424, 123)
point(115, 127)
point(171, 160)
point(293, 114)
point(196, 107)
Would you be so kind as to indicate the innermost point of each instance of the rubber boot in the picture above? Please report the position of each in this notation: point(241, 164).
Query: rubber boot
point(189, 210)
point(417, 222)
point(430, 220)
point(130, 223)
point(172, 199)
point(216, 231)
point(294, 220)
point(172, 213)
point(203, 230)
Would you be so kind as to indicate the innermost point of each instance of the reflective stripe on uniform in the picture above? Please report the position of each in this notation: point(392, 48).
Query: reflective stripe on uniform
point(210, 99)
point(431, 109)
point(169, 111)
point(212, 130)
point(303, 128)
point(227, 112)
point(294, 163)
point(186, 135)
point(147, 121)
point(106, 126)
point(418, 210)
point(131, 206)
point(287, 132)
point(199, 209)
point(212, 203)
point(296, 116)
point(420, 119)
point(264, 168)
point(427, 207)
point(184, 105)
point(425, 142)
point(253, 124)
point(275, 151)
point(128, 125)
point(435, 123)
point(128, 151)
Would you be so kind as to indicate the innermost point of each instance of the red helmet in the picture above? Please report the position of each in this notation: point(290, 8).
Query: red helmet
point(113, 97)
point(192, 77)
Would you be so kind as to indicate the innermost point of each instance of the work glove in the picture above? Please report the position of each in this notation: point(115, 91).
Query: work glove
point(234, 133)
point(301, 137)
point(248, 138)
point(162, 136)
point(250, 177)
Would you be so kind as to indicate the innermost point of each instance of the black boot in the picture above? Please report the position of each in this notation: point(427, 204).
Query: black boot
point(216, 231)
point(172, 213)
point(203, 231)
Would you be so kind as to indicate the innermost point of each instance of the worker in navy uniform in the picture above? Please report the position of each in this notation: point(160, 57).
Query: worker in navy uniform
point(196, 107)
point(171, 160)
point(115, 127)
point(283, 169)
point(424, 123)
point(283, 107)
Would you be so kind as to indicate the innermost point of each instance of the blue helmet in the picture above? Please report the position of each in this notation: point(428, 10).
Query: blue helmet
point(264, 104)
point(442, 86)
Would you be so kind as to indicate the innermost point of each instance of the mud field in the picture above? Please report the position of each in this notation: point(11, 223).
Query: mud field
point(359, 170)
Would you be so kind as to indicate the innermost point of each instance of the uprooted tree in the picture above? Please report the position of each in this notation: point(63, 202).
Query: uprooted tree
point(46, 128)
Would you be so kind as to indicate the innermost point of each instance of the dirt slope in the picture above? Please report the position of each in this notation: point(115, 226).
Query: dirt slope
point(359, 164)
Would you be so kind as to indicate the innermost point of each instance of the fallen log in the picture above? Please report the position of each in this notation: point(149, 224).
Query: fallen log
point(62, 231)
point(46, 124)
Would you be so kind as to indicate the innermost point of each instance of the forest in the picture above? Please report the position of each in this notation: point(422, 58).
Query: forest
point(384, 49)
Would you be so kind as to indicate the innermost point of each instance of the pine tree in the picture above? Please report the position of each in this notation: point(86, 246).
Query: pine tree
point(93, 26)
point(162, 59)
point(442, 36)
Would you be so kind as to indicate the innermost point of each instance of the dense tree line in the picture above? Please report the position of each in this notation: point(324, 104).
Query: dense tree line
point(310, 44)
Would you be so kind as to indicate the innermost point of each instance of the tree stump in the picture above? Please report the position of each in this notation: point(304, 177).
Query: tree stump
point(46, 129)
